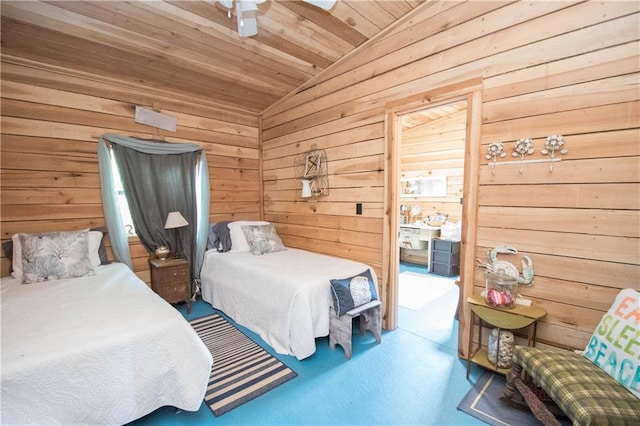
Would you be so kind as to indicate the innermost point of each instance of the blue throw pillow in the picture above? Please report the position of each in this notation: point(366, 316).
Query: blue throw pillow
point(212, 238)
point(349, 293)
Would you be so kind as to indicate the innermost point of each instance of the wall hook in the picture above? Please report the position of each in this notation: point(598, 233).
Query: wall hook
point(522, 148)
point(552, 144)
point(495, 150)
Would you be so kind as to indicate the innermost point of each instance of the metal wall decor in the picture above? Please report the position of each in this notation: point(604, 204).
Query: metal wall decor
point(551, 145)
point(495, 151)
point(311, 172)
point(524, 147)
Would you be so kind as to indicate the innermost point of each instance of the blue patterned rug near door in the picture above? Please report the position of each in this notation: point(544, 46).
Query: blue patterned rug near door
point(483, 402)
point(242, 369)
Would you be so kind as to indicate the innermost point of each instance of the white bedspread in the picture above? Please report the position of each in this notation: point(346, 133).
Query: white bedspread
point(103, 349)
point(284, 297)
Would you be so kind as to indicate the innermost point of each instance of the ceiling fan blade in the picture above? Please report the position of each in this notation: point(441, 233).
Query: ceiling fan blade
point(322, 4)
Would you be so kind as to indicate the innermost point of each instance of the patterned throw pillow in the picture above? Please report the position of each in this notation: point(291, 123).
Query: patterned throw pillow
point(239, 243)
point(614, 343)
point(349, 293)
point(262, 239)
point(55, 255)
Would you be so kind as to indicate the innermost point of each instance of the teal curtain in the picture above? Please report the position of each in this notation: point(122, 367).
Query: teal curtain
point(199, 218)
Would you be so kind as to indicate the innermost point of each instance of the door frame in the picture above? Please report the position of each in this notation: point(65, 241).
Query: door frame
point(471, 90)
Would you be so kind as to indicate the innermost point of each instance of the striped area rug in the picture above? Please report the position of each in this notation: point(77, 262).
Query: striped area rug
point(242, 369)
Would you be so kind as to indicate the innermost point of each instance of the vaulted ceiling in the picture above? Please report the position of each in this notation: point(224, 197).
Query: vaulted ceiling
point(192, 47)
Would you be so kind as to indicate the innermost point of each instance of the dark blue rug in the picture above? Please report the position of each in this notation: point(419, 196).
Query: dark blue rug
point(242, 369)
point(483, 402)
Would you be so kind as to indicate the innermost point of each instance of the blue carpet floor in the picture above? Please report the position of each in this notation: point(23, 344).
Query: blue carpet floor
point(413, 378)
point(435, 321)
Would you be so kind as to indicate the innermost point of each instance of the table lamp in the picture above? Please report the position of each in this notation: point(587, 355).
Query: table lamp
point(174, 220)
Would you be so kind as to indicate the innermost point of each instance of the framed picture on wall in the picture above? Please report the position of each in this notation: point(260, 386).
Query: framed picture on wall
point(432, 186)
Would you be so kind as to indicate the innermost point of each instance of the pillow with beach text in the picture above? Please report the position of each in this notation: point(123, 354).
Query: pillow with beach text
point(614, 344)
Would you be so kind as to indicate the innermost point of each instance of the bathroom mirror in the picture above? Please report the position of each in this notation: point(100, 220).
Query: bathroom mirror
point(433, 186)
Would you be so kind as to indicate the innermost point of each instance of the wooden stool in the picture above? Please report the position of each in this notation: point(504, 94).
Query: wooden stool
point(340, 329)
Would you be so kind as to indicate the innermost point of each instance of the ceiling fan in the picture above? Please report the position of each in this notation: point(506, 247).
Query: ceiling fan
point(246, 12)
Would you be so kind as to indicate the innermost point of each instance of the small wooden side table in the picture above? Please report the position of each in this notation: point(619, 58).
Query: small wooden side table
point(171, 279)
point(504, 319)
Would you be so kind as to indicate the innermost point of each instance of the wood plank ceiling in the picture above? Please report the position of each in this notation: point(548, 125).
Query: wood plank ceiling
point(192, 48)
point(428, 115)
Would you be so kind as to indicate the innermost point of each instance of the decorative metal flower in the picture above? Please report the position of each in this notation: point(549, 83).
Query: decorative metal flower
point(552, 144)
point(522, 148)
point(495, 150)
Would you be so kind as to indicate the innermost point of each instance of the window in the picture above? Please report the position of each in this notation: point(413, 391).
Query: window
point(434, 186)
point(123, 206)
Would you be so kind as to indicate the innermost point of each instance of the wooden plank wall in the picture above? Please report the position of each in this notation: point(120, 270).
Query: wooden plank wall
point(51, 121)
point(436, 149)
point(548, 68)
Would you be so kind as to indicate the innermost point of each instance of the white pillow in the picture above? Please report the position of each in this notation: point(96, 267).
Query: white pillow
point(16, 262)
point(95, 238)
point(239, 242)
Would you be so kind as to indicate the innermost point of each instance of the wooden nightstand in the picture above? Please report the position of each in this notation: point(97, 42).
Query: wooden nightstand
point(171, 279)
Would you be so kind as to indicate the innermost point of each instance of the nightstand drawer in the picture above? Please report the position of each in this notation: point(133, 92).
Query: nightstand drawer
point(176, 273)
point(174, 292)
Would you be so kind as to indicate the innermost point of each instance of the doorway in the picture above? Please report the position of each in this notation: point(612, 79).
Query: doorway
point(432, 152)
point(471, 92)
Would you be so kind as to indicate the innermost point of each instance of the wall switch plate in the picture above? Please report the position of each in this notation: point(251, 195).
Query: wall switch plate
point(358, 208)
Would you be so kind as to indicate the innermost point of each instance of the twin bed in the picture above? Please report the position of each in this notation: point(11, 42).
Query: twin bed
point(282, 294)
point(97, 349)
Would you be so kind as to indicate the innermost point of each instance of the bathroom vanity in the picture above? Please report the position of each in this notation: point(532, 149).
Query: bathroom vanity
point(415, 243)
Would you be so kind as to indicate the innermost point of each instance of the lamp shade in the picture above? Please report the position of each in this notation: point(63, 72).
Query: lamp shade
point(175, 220)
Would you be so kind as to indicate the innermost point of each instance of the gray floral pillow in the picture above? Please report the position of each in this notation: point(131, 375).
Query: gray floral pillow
point(262, 239)
point(55, 255)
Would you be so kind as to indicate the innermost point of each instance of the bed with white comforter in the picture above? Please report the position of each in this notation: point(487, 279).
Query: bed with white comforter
point(284, 296)
point(101, 349)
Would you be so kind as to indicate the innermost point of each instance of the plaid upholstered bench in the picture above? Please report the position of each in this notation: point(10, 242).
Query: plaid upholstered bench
point(583, 391)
